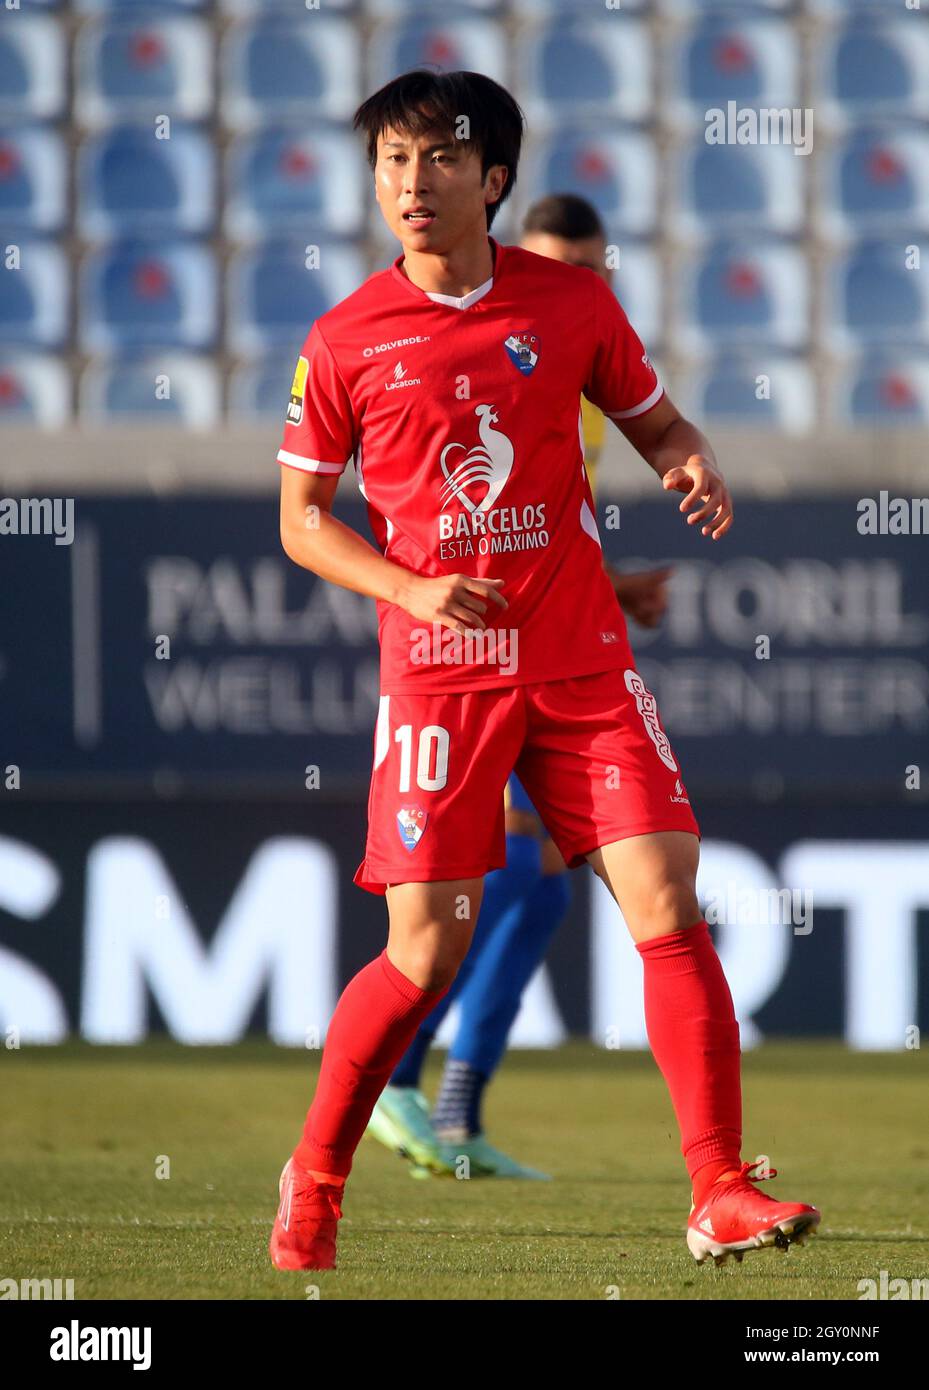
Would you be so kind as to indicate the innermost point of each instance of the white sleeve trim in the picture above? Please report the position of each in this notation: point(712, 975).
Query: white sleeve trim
point(309, 465)
point(638, 409)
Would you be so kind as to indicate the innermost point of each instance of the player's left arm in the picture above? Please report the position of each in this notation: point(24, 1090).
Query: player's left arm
point(683, 458)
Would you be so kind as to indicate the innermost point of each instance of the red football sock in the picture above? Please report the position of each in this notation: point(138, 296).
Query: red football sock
point(694, 1037)
point(374, 1023)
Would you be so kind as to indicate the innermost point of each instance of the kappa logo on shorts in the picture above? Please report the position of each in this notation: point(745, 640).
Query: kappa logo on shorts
point(648, 708)
point(411, 822)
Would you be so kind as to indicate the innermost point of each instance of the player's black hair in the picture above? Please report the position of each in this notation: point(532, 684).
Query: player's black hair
point(418, 101)
point(565, 215)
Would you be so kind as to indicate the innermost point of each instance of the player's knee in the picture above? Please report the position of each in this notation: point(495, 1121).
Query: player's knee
point(671, 905)
point(432, 964)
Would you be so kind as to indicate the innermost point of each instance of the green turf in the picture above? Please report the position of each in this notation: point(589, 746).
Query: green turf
point(83, 1127)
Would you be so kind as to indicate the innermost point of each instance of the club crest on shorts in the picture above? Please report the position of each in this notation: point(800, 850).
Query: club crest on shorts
point(523, 350)
point(411, 822)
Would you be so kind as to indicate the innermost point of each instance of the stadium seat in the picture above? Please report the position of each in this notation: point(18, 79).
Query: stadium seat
point(876, 66)
point(273, 299)
point(35, 297)
point(34, 390)
point(283, 180)
point(874, 299)
point(586, 68)
point(33, 180)
point(139, 295)
point(164, 389)
point(882, 390)
point(718, 189)
point(137, 7)
point(751, 60)
point(129, 69)
point(258, 391)
point(278, 69)
point(763, 391)
point(614, 170)
point(875, 180)
point(32, 67)
point(753, 292)
point(130, 182)
point(637, 284)
point(451, 42)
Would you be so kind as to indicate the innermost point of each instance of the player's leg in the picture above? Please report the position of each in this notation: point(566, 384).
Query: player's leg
point(377, 1014)
point(490, 1001)
point(601, 770)
point(400, 1119)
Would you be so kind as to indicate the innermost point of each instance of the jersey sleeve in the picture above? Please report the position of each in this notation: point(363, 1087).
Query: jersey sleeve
point(319, 429)
point(621, 380)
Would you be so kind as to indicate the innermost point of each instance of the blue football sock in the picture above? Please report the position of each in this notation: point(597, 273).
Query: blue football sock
point(503, 889)
point(491, 996)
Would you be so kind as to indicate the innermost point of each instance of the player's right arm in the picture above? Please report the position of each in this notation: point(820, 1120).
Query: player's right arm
point(320, 436)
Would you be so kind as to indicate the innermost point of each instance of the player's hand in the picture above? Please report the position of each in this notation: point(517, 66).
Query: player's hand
point(702, 482)
point(458, 601)
point(643, 596)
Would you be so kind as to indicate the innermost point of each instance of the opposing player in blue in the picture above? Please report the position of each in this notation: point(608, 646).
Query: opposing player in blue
point(524, 903)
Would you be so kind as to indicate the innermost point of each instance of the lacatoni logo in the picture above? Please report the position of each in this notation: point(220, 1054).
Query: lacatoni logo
point(392, 346)
point(475, 480)
point(400, 379)
point(76, 1343)
point(648, 708)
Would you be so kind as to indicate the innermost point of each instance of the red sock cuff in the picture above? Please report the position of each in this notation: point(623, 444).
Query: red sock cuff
point(676, 943)
point(404, 985)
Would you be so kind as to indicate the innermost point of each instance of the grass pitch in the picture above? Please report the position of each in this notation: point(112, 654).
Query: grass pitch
point(85, 1130)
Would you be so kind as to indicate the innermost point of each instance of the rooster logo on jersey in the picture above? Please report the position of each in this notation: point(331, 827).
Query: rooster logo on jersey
point(489, 462)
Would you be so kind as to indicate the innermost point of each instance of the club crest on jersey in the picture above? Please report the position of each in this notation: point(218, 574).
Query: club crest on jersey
point(523, 350)
point(411, 822)
point(297, 392)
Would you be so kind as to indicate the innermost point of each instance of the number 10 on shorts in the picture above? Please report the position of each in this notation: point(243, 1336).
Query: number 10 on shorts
point(432, 736)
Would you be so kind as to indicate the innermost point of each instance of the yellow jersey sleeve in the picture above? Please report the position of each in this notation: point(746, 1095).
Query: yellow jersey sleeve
point(593, 424)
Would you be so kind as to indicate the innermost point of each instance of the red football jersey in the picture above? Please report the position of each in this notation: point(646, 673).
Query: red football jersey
point(463, 418)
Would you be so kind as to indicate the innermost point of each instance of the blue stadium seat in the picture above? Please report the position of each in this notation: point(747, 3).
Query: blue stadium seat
point(586, 68)
point(452, 42)
point(876, 67)
point(137, 7)
point(718, 189)
point(637, 283)
point(140, 295)
point(875, 180)
point(128, 69)
point(282, 180)
point(164, 389)
point(35, 298)
point(763, 391)
point(33, 179)
point(32, 67)
point(258, 391)
point(751, 292)
point(883, 389)
point(273, 299)
point(752, 60)
point(279, 69)
point(130, 182)
point(875, 299)
point(614, 170)
point(34, 390)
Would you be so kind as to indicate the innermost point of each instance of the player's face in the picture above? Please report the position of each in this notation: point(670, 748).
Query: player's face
point(440, 178)
point(589, 252)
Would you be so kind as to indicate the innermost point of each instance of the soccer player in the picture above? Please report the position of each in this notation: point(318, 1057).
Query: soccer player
point(454, 380)
point(524, 902)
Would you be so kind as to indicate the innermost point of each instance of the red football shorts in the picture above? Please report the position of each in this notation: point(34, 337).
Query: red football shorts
point(590, 751)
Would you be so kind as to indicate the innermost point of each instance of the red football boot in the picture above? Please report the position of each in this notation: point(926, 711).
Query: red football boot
point(304, 1229)
point(735, 1217)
